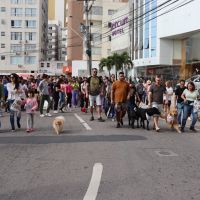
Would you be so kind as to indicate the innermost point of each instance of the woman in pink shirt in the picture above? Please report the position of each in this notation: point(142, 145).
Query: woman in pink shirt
point(69, 94)
point(31, 106)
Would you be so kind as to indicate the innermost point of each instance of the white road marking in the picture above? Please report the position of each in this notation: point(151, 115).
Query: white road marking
point(92, 190)
point(83, 122)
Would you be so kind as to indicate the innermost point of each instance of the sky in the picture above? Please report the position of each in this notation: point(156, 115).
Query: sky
point(59, 10)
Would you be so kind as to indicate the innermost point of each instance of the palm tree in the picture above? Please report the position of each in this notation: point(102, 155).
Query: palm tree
point(127, 62)
point(117, 62)
point(106, 62)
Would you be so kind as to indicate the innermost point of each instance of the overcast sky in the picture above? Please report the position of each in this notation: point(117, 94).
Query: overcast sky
point(60, 10)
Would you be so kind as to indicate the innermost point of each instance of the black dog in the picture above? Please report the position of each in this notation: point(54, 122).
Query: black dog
point(145, 114)
point(133, 116)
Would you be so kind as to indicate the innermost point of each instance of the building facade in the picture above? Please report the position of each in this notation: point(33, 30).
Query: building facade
point(23, 37)
point(100, 14)
point(165, 38)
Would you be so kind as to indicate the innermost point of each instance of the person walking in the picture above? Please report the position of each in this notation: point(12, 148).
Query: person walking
point(189, 95)
point(44, 95)
point(178, 101)
point(94, 92)
point(155, 99)
point(31, 106)
point(119, 96)
point(15, 93)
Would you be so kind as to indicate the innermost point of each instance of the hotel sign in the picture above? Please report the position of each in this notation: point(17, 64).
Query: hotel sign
point(117, 27)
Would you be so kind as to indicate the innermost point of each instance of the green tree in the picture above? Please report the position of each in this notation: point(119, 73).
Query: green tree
point(106, 62)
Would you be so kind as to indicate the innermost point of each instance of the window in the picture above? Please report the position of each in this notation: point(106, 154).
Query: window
point(16, 35)
point(16, 60)
point(30, 24)
point(16, 1)
point(30, 36)
point(97, 10)
point(30, 46)
point(3, 57)
point(96, 50)
point(111, 12)
point(3, 9)
point(41, 64)
point(3, 33)
point(16, 47)
point(3, 45)
point(16, 11)
point(30, 12)
point(30, 1)
point(30, 60)
point(48, 64)
point(16, 23)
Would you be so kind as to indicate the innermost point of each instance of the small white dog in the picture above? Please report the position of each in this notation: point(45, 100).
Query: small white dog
point(58, 124)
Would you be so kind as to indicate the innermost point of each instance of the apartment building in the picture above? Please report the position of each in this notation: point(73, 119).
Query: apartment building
point(100, 14)
point(54, 40)
point(23, 37)
point(165, 38)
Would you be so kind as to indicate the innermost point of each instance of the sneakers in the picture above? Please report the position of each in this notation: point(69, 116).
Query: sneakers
point(28, 130)
point(55, 111)
point(182, 129)
point(42, 115)
point(91, 118)
point(48, 115)
point(12, 130)
point(100, 119)
point(121, 121)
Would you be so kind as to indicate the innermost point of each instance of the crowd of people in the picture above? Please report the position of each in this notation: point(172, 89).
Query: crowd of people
point(101, 94)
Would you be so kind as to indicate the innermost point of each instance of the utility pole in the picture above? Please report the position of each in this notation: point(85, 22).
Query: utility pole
point(88, 38)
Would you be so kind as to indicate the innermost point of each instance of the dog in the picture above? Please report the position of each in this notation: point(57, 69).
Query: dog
point(197, 108)
point(133, 116)
point(58, 124)
point(145, 114)
point(172, 121)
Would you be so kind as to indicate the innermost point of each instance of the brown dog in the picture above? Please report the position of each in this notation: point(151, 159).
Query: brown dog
point(58, 124)
point(171, 119)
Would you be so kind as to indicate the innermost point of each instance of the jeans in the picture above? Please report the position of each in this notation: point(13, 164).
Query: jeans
point(75, 97)
point(61, 99)
point(30, 120)
point(42, 99)
point(187, 110)
point(180, 111)
point(12, 116)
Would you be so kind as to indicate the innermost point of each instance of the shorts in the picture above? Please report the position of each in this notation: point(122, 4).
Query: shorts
point(168, 103)
point(96, 99)
point(159, 107)
point(120, 107)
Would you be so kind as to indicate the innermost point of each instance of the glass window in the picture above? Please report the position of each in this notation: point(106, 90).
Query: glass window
point(3, 9)
point(30, 46)
point(96, 51)
point(16, 60)
point(3, 45)
point(16, 23)
point(97, 10)
point(16, 47)
point(30, 60)
point(3, 33)
point(16, 11)
point(111, 12)
point(16, 35)
point(30, 24)
point(3, 57)
point(16, 1)
point(30, 36)
point(30, 1)
point(30, 12)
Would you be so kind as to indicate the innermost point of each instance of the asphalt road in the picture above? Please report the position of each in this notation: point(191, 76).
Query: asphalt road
point(137, 164)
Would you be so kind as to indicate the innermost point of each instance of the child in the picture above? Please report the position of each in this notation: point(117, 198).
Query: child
point(31, 106)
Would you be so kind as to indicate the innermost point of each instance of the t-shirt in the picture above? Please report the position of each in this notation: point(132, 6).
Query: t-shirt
point(169, 91)
point(190, 96)
point(120, 90)
point(157, 93)
point(94, 85)
point(178, 93)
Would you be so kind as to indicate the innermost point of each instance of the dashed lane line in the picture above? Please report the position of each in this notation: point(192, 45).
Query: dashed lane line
point(92, 190)
point(83, 122)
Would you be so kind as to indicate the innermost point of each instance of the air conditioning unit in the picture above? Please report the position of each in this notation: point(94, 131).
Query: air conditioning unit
point(26, 53)
point(20, 41)
point(26, 41)
point(18, 53)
